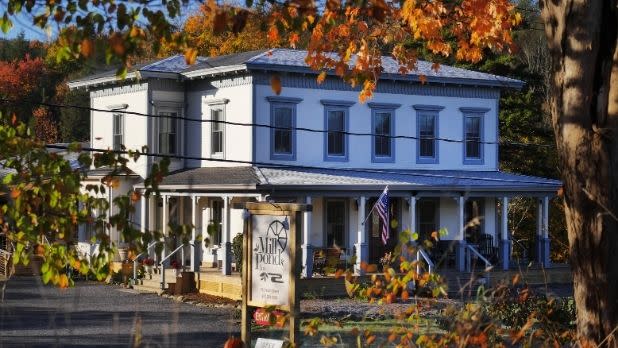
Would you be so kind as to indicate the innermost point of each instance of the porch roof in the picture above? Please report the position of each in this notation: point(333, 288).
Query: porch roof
point(266, 178)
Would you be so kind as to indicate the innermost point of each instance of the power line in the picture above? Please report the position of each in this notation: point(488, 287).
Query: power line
point(292, 166)
point(261, 125)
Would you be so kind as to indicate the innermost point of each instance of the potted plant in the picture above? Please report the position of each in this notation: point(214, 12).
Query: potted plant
point(148, 265)
point(176, 267)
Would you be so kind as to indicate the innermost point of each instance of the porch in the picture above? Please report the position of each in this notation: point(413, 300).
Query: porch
point(470, 208)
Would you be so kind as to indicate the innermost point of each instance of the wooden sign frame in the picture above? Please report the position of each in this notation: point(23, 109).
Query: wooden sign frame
point(294, 213)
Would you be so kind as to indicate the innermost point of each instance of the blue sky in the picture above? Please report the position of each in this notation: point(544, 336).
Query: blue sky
point(23, 23)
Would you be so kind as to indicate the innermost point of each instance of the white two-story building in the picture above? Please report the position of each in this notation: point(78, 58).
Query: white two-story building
point(232, 139)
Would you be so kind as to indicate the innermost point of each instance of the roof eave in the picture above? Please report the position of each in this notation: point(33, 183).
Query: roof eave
point(510, 83)
point(100, 81)
point(549, 188)
point(202, 73)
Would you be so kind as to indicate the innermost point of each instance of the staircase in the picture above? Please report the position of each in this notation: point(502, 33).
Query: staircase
point(177, 285)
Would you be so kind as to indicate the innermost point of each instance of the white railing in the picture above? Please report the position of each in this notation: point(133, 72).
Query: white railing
point(5, 256)
point(147, 252)
point(181, 248)
point(421, 253)
point(472, 250)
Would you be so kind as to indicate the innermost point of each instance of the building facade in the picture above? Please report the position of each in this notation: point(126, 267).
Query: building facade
point(232, 139)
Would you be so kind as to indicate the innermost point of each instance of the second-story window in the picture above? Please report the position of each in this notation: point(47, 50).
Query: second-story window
point(118, 131)
point(383, 129)
point(427, 133)
point(336, 125)
point(283, 131)
point(473, 134)
point(217, 129)
point(382, 132)
point(168, 133)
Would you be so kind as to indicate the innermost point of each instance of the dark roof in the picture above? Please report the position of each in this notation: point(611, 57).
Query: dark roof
point(220, 176)
point(280, 59)
point(358, 179)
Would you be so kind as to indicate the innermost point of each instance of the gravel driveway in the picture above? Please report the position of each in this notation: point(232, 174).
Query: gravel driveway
point(91, 314)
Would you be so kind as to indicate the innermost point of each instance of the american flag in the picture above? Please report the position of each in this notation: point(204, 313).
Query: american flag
point(382, 208)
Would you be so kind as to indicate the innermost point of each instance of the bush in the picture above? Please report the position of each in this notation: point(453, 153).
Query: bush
point(237, 250)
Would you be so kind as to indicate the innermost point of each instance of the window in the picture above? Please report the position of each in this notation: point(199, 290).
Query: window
point(217, 130)
point(168, 133)
point(427, 133)
point(473, 219)
point(473, 135)
point(427, 212)
point(383, 124)
point(336, 125)
point(283, 134)
point(118, 131)
point(335, 223)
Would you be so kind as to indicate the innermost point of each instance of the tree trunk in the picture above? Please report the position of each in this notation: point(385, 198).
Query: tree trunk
point(582, 39)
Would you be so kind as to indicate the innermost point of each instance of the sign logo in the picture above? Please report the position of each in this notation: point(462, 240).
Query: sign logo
point(268, 250)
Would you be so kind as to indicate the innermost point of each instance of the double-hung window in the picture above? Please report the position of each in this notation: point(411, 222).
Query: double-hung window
point(473, 135)
point(383, 129)
point(336, 125)
point(118, 131)
point(168, 132)
point(283, 127)
point(427, 133)
point(217, 117)
point(336, 217)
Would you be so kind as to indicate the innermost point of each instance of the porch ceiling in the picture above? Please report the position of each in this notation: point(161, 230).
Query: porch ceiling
point(267, 178)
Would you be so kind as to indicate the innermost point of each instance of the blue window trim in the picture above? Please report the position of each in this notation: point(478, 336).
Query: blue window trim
point(467, 113)
point(382, 107)
point(282, 102)
point(337, 105)
point(435, 111)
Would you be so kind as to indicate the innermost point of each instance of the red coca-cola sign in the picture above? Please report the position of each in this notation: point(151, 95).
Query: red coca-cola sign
point(268, 318)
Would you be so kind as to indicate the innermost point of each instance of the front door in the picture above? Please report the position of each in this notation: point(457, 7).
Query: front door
point(427, 217)
point(374, 226)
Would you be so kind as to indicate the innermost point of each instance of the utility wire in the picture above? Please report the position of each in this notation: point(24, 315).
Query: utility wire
point(261, 125)
point(297, 167)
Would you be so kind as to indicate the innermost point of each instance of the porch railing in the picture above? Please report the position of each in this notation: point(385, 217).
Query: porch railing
point(472, 250)
point(420, 253)
point(181, 248)
point(147, 252)
point(5, 269)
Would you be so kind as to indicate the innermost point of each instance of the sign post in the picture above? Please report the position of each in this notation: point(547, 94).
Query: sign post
point(271, 262)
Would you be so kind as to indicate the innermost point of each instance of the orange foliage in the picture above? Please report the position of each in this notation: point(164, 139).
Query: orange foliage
point(45, 127)
point(223, 30)
point(18, 79)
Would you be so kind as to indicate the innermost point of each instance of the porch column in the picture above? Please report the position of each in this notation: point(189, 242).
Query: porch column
point(194, 248)
point(361, 244)
point(226, 245)
point(164, 220)
point(460, 251)
point(545, 241)
point(412, 213)
point(307, 247)
point(505, 243)
point(142, 214)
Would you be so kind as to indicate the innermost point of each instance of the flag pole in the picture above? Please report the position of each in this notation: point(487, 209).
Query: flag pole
point(373, 207)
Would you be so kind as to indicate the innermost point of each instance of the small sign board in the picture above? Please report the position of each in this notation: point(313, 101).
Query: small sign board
point(270, 263)
point(268, 343)
point(271, 267)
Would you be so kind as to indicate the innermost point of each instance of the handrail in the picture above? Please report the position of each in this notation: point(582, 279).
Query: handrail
point(162, 262)
point(147, 252)
point(488, 264)
point(430, 265)
point(523, 248)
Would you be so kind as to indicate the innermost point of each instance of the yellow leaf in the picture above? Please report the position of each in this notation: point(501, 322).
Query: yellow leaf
point(275, 84)
point(321, 77)
point(190, 56)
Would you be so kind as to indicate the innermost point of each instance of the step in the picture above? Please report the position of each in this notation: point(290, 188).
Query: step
point(147, 289)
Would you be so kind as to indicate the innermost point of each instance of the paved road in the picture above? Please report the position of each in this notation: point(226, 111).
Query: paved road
point(90, 314)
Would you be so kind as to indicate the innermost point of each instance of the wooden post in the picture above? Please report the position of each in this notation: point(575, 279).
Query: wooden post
point(245, 331)
point(296, 217)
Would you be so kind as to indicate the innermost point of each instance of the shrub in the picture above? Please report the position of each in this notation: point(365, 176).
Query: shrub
point(237, 250)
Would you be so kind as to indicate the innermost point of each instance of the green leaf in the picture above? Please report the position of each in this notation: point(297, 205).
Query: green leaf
point(5, 23)
point(414, 236)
